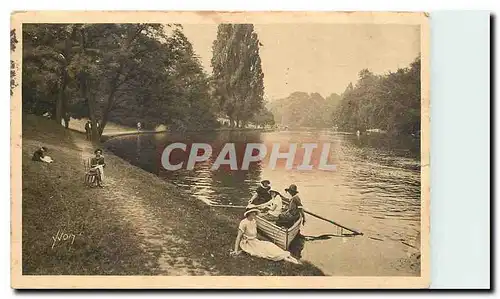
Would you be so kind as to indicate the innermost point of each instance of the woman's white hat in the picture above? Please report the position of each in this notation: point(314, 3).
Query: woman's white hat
point(250, 210)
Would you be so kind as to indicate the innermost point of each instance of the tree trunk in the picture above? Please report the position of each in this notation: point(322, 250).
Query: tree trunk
point(59, 107)
point(105, 115)
point(92, 106)
point(93, 119)
point(84, 89)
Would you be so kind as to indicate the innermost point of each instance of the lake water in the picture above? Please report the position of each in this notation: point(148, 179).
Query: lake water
point(375, 188)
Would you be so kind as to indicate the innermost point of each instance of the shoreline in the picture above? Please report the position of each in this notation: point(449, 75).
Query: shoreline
point(77, 125)
point(358, 256)
point(139, 224)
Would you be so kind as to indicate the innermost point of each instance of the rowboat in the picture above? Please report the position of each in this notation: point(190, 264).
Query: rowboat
point(278, 235)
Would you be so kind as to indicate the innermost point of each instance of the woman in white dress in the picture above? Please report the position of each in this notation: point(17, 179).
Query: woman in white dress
point(248, 242)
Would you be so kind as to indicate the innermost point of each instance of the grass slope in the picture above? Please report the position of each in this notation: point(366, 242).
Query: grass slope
point(137, 225)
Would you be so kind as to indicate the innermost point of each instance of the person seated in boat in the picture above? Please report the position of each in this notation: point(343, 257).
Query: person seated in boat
point(97, 165)
point(295, 209)
point(262, 196)
point(275, 208)
point(248, 242)
point(40, 155)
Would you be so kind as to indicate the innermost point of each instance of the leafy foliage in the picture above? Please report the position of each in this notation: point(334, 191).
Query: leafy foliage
point(121, 72)
point(263, 118)
point(237, 73)
point(388, 102)
point(300, 109)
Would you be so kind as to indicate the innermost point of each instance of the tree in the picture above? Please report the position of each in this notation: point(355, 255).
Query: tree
point(237, 72)
point(48, 49)
point(86, 68)
point(120, 72)
point(173, 90)
point(133, 53)
point(263, 118)
point(301, 109)
point(390, 102)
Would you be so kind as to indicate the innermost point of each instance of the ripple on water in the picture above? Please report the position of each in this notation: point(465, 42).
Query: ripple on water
point(376, 188)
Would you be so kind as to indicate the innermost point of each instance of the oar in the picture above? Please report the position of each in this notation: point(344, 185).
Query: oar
point(228, 206)
point(322, 218)
point(333, 222)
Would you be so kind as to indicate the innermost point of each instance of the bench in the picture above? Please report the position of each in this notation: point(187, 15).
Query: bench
point(90, 178)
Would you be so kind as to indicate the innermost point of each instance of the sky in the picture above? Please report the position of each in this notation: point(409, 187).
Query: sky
point(321, 58)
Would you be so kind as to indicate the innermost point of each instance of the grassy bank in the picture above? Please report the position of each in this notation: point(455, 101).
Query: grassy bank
point(137, 225)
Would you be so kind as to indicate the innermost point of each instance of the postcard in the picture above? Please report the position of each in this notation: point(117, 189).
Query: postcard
point(225, 150)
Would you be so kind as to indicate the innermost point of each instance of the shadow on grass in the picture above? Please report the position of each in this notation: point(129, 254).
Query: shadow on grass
point(106, 223)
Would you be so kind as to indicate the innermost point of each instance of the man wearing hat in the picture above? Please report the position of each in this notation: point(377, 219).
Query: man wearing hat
point(263, 195)
point(295, 209)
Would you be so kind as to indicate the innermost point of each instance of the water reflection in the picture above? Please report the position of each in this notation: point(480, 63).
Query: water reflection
point(297, 246)
point(376, 187)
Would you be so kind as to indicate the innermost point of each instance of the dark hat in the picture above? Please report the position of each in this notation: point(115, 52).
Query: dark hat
point(292, 188)
point(262, 183)
point(98, 150)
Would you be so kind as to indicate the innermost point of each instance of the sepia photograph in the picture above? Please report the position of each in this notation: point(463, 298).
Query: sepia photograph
point(220, 150)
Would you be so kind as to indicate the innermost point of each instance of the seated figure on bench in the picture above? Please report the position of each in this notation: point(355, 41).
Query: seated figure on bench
point(97, 165)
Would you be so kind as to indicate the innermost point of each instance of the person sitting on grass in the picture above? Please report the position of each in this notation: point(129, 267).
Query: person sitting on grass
point(97, 165)
point(40, 155)
point(248, 242)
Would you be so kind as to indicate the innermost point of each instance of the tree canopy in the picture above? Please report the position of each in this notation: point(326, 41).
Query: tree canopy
point(301, 109)
point(389, 102)
point(121, 72)
point(237, 73)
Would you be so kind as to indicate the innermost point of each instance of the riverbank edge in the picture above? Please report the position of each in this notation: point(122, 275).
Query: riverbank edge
point(109, 135)
point(114, 249)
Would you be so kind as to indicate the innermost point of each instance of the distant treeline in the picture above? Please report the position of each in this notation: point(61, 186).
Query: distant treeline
point(389, 102)
point(301, 109)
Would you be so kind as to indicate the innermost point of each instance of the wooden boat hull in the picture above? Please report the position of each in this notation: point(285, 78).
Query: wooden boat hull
point(278, 235)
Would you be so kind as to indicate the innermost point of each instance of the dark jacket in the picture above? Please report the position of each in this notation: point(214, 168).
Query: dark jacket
point(97, 161)
point(38, 155)
point(294, 206)
point(263, 196)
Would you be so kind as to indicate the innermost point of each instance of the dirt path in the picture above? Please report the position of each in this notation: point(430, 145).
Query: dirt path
point(138, 224)
point(154, 234)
